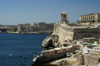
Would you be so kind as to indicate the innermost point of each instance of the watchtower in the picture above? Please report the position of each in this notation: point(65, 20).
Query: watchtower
point(64, 18)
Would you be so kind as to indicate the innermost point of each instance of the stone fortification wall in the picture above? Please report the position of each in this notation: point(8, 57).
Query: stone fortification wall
point(41, 27)
point(45, 27)
point(91, 60)
point(87, 60)
point(74, 33)
point(63, 33)
point(98, 18)
point(75, 47)
point(84, 23)
point(80, 33)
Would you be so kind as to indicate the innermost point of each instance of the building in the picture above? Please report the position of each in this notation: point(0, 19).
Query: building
point(89, 18)
point(43, 27)
point(40, 27)
point(75, 32)
point(64, 18)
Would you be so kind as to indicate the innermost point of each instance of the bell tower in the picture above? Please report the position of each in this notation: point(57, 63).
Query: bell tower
point(64, 18)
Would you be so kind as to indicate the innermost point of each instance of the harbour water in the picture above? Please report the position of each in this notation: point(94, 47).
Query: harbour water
point(19, 49)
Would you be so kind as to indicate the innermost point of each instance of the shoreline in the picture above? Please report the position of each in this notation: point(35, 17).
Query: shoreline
point(45, 32)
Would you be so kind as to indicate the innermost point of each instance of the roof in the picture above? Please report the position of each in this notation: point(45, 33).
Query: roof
point(89, 38)
point(63, 12)
point(90, 14)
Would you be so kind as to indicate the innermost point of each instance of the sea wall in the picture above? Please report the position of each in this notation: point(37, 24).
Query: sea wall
point(75, 33)
point(63, 33)
point(91, 60)
point(87, 60)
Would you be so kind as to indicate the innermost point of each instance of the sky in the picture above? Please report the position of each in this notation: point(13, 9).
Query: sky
point(13, 12)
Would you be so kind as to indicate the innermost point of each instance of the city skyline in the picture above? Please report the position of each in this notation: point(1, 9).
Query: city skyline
point(13, 12)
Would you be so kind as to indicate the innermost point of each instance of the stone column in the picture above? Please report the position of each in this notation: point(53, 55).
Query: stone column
point(96, 17)
point(86, 18)
point(83, 18)
point(80, 18)
point(91, 18)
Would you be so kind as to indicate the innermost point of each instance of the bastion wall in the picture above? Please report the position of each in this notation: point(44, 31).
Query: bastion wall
point(70, 33)
point(63, 33)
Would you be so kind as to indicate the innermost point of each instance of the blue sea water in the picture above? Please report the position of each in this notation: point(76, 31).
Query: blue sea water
point(21, 46)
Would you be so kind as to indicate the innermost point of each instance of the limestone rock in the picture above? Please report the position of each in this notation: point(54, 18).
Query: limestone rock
point(47, 43)
point(50, 41)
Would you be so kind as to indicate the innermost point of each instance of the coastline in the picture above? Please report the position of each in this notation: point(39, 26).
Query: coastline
point(39, 32)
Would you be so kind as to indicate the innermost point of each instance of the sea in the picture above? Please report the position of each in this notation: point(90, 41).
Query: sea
point(19, 49)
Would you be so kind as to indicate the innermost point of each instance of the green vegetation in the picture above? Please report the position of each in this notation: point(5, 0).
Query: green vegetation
point(93, 21)
point(15, 29)
point(91, 42)
point(96, 39)
point(78, 22)
point(91, 13)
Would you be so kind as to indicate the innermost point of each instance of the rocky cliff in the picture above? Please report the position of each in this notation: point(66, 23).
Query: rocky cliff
point(50, 41)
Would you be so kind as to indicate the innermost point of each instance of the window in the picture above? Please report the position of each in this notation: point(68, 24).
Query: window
point(64, 16)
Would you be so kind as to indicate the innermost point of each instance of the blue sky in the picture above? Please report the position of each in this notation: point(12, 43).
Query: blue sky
point(13, 12)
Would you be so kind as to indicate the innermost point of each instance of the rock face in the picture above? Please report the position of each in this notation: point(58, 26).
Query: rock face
point(50, 41)
point(47, 43)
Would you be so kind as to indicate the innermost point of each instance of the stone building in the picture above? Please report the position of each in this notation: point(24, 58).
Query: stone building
point(23, 27)
point(90, 18)
point(64, 18)
point(42, 26)
point(75, 32)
